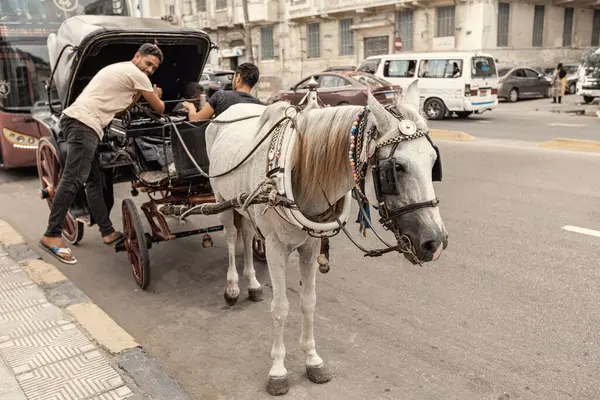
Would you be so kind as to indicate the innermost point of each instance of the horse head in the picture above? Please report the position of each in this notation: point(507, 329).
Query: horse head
point(400, 159)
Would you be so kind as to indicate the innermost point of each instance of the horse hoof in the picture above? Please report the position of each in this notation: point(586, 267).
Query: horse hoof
point(230, 300)
point(278, 386)
point(324, 268)
point(318, 374)
point(256, 295)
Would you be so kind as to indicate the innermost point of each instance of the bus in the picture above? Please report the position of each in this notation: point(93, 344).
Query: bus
point(25, 68)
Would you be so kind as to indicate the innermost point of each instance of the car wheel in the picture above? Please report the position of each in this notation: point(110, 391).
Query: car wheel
point(588, 99)
point(434, 109)
point(513, 95)
point(572, 88)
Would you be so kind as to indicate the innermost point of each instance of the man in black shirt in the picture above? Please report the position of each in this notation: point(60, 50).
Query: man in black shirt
point(244, 79)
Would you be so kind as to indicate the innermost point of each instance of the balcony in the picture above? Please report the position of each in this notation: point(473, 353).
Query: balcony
point(364, 6)
point(263, 11)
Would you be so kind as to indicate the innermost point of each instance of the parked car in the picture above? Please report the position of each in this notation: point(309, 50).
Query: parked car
point(345, 68)
point(588, 85)
point(522, 83)
point(341, 88)
point(572, 70)
point(216, 80)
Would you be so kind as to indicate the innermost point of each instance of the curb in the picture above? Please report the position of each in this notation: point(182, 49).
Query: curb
point(590, 146)
point(146, 374)
point(111, 337)
point(443, 134)
point(577, 111)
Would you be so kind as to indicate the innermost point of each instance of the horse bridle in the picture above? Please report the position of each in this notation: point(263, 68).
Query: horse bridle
point(384, 172)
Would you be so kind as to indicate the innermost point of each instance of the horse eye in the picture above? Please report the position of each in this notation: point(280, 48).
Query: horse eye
point(400, 167)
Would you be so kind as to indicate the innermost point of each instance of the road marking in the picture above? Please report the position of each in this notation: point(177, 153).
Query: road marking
point(484, 122)
point(583, 231)
point(567, 125)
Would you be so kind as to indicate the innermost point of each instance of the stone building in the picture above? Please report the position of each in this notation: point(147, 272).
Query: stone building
point(294, 38)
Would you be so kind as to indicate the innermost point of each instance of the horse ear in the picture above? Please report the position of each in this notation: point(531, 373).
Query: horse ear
point(412, 96)
point(380, 113)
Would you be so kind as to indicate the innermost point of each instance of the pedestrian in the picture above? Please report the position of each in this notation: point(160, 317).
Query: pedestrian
point(497, 65)
point(82, 125)
point(559, 83)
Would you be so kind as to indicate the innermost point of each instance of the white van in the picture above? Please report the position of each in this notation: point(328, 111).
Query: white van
point(450, 82)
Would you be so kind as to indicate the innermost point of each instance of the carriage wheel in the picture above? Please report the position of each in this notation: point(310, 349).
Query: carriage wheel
point(258, 248)
point(136, 244)
point(50, 172)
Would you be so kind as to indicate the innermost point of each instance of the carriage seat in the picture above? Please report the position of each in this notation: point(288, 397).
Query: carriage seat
point(169, 161)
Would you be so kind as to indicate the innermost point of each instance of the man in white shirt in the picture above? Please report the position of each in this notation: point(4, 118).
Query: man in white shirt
point(112, 90)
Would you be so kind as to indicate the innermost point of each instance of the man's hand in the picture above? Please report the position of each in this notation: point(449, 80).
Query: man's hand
point(158, 91)
point(188, 106)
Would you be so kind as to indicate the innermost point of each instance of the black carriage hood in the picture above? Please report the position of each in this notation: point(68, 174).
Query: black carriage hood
point(98, 41)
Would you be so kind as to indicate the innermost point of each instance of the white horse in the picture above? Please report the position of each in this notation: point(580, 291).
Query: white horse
point(337, 148)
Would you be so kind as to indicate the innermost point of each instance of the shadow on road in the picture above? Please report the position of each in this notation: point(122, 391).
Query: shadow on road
point(18, 174)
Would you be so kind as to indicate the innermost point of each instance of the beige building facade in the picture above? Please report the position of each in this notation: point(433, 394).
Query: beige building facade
point(295, 38)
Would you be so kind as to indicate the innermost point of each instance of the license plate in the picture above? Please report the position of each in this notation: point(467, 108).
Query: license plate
point(482, 92)
point(389, 95)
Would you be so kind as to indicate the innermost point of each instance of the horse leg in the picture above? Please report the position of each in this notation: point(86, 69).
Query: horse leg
point(232, 292)
point(255, 291)
point(277, 257)
point(308, 265)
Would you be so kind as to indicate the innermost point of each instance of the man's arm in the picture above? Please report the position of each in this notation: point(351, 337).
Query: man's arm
point(153, 98)
point(206, 113)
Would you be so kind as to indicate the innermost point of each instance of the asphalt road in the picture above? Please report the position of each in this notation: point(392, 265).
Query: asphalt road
point(511, 307)
point(521, 121)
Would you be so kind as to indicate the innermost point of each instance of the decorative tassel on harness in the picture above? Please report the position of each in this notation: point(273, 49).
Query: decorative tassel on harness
point(361, 219)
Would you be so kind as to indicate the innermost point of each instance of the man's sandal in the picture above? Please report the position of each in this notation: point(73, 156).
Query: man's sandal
point(59, 252)
point(119, 239)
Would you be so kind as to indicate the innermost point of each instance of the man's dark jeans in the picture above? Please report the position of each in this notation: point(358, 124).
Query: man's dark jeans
point(82, 165)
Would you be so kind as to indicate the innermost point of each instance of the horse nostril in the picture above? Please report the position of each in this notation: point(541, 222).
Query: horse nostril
point(429, 248)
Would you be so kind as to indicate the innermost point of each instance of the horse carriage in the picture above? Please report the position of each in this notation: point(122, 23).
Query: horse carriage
point(159, 155)
point(283, 176)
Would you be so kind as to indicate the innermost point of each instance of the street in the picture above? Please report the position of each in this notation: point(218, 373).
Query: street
point(508, 312)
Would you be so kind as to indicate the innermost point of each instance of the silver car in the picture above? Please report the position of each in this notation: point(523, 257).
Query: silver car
point(522, 83)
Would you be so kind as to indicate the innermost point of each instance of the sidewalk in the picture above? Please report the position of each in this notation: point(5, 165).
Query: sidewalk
point(571, 105)
point(56, 344)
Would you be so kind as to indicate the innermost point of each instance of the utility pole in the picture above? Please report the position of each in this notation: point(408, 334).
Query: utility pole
point(248, 32)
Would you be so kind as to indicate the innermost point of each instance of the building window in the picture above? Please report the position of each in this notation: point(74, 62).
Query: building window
point(377, 45)
point(538, 26)
point(266, 43)
point(503, 24)
point(200, 5)
point(221, 5)
point(346, 38)
point(568, 27)
point(404, 27)
point(314, 40)
point(171, 10)
point(596, 29)
point(444, 21)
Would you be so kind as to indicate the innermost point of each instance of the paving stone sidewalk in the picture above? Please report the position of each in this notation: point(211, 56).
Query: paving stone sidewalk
point(43, 353)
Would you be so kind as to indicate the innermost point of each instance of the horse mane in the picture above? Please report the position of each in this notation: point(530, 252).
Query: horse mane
point(320, 161)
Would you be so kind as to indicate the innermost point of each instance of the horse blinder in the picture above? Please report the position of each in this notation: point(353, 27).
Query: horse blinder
point(436, 172)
